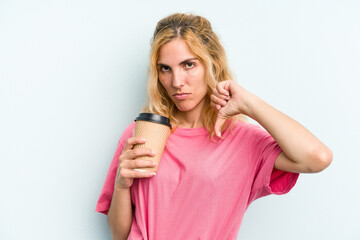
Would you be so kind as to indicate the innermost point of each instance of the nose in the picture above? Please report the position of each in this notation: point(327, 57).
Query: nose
point(177, 79)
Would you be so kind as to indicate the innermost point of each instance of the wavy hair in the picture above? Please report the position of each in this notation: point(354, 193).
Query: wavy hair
point(198, 35)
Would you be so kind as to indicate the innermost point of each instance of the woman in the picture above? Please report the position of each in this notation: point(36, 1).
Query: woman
point(213, 165)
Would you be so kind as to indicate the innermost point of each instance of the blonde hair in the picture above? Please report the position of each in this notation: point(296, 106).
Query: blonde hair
point(197, 33)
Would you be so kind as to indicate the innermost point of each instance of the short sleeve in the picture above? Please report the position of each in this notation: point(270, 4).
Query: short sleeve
point(104, 201)
point(268, 180)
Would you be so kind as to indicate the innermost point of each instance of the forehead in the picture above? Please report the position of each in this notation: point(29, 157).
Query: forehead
point(174, 52)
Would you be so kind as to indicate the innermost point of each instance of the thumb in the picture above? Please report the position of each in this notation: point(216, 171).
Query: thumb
point(220, 120)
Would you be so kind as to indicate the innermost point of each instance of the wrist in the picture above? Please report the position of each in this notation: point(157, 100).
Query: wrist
point(121, 189)
point(117, 186)
point(251, 101)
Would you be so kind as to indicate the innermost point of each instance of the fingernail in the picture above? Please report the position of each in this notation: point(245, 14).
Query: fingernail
point(153, 152)
point(143, 139)
point(154, 164)
point(228, 98)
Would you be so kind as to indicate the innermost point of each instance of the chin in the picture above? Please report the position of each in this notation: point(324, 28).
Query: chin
point(184, 108)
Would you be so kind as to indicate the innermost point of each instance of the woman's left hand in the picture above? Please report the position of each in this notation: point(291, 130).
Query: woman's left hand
point(229, 99)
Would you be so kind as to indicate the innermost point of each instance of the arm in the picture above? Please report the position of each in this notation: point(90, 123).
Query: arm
point(120, 214)
point(302, 151)
point(120, 211)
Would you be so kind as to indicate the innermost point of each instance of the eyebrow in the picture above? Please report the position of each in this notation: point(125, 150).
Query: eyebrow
point(186, 60)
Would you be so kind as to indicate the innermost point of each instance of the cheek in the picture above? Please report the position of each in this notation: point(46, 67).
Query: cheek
point(201, 82)
point(200, 76)
point(163, 83)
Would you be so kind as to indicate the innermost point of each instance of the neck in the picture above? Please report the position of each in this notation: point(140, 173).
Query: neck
point(187, 120)
point(192, 118)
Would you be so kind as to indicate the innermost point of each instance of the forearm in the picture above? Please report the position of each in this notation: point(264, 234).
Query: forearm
point(120, 214)
point(301, 150)
point(297, 143)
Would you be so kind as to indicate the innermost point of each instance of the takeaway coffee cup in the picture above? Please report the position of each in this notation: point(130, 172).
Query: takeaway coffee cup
point(156, 129)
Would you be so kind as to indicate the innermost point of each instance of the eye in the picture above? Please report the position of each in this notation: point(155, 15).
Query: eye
point(189, 65)
point(164, 68)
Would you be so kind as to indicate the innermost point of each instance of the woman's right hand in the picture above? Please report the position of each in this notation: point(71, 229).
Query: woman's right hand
point(125, 173)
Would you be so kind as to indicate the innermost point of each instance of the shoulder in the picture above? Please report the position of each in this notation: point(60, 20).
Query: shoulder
point(129, 129)
point(246, 129)
point(247, 133)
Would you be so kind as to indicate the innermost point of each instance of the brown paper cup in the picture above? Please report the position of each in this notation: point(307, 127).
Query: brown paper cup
point(155, 129)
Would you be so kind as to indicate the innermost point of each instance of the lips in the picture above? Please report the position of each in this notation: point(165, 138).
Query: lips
point(181, 96)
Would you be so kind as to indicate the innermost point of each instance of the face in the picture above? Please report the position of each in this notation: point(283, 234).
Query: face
point(182, 75)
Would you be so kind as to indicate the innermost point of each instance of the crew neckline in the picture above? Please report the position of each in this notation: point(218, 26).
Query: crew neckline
point(190, 131)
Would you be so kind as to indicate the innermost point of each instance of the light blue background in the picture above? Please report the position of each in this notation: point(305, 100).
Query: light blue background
point(72, 77)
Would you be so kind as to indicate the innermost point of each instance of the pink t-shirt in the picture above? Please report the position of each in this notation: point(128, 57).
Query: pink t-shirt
point(202, 188)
